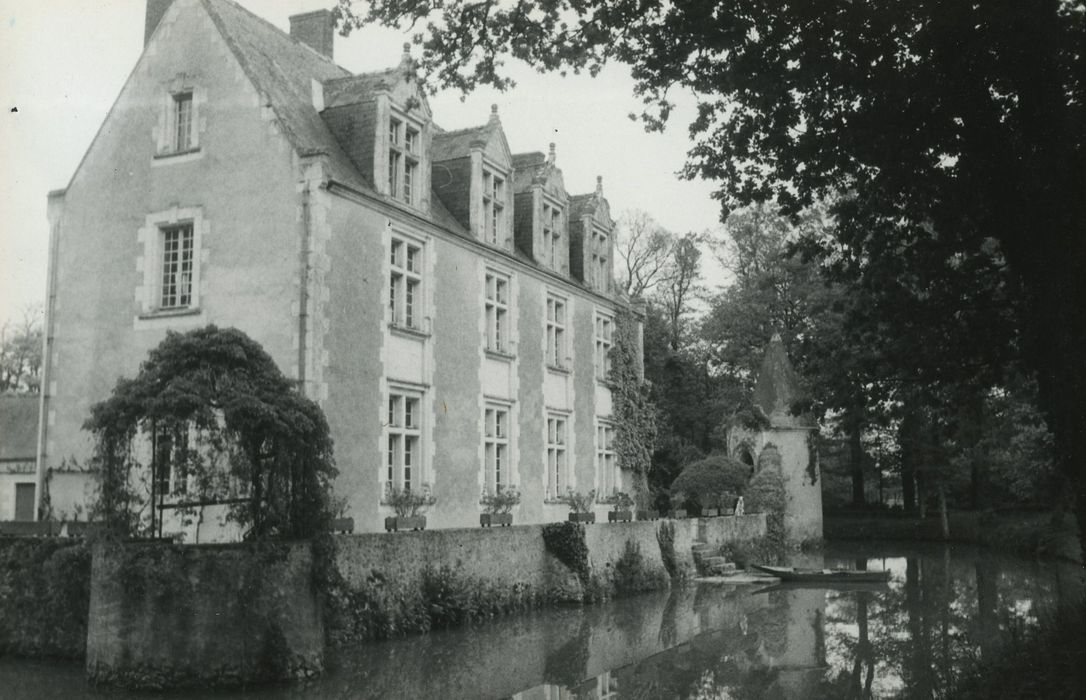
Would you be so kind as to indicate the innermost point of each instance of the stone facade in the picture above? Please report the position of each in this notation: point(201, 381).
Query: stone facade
point(785, 442)
point(244, 179)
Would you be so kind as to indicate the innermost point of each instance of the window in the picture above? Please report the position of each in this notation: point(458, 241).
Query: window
point(497, 312)
point(175, 291)
point(182, 122)
point(170, 464)
point(493, 207)
point(552, 247)
point(606, 468)
point(404, 152)
point(496, 447)
point(604, 334)
point(405, 284)
point(556, 456)
point(599, 270)
point(404, 440)
point(556, 332)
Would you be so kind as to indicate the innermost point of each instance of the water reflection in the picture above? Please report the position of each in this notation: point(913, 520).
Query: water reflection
point(943, 609)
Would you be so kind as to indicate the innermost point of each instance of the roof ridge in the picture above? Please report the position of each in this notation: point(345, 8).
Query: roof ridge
point(285, 35)
point(466, 129)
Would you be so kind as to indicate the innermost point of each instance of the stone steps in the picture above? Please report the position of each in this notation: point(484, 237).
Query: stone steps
point(709, 561)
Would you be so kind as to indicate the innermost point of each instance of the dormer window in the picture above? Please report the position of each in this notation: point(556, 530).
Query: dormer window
point(493, 207)
point(403, 160)
point(552, 235)
point(600, 268)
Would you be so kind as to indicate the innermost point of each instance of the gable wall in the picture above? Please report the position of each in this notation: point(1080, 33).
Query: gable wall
point(241, 182)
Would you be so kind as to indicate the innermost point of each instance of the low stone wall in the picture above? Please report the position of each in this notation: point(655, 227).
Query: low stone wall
point(166, 616)
point(44, 596)
point(733, 529)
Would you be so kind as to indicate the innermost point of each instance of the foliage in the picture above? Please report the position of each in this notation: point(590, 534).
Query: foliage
point(644, 247)
point(634, 413)
point(631, 575)
point(566, 542)
point(765, 494)
point(253, 432)
point(580, 502)
point(764, 550)
point(45, 585)
point(677, 499)
point(665, 535)
point(621, 501)
point(408, 503)
point(503, 500)
point(20, 353)
point(709, 479)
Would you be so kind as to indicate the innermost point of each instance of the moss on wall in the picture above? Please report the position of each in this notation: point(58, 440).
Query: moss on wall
point(44, 596)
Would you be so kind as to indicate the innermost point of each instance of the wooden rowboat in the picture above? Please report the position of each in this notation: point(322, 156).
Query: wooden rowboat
point(824, 575)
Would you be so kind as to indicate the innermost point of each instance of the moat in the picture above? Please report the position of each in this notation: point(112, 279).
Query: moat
point(944, 609)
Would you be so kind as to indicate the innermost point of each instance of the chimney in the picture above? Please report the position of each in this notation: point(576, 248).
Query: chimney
point(155, 10)
point(314, 29)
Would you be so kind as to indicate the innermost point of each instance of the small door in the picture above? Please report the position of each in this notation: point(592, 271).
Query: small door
point(24, 501)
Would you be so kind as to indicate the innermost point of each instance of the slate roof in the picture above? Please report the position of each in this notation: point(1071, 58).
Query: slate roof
point(526, 168)
point(447, 145)
point(18, 427)
point(358, 88)
point(778, 388)
point(581, 204)
point(282, 69)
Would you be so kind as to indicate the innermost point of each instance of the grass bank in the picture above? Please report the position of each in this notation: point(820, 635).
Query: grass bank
point(1049, 662)
point(1030, 533)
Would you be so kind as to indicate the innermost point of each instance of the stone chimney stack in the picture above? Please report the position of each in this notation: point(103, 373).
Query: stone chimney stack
point(155, 10)
point(315, 30)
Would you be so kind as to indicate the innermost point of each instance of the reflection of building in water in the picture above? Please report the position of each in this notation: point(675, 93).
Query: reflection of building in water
point(802, 661)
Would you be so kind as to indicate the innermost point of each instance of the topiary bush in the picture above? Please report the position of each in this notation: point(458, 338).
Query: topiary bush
point(706, 480)
point(765, 494)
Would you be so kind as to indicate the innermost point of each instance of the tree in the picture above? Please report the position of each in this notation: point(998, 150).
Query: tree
point(679, 285)
point(20, 353)
point(214, 403)
point(951, 124)
point(644, 248)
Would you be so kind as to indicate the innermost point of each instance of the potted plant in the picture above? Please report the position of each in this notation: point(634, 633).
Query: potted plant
point(727, 502)
point(409, 506)
point(678, 499)
point(497, 506)
point(580, 506)
point(710, 508)
point(621, 504)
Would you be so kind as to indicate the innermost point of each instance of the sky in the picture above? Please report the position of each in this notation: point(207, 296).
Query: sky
point(63, 63)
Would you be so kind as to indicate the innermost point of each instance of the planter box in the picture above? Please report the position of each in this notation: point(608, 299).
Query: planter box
point(648, 515)
point(709, 512)
point(582, 517)
point(396, 523)
point(678, 514)
point(500, 519)
point(619, 516)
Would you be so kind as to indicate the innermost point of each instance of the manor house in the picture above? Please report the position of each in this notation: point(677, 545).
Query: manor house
point(446, 301)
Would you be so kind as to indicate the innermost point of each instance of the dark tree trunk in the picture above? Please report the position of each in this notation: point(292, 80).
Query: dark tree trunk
point(856, 462)
point(908, 434)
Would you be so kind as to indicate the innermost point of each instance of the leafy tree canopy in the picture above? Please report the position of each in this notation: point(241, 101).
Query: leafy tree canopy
point(223, 386)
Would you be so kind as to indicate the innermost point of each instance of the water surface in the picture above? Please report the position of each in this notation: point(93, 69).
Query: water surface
point(944, 609)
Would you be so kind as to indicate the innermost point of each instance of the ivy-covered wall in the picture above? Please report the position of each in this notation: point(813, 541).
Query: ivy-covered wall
point(166, 616)
point(44, 594)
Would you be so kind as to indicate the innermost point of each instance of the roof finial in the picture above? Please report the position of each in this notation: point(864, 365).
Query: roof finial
point(599, 185)
point(551, 154)
point(494, 113)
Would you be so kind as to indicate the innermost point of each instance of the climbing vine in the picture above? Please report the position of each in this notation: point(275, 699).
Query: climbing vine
point(634, 412)
point(212, 409)
point(812, 456)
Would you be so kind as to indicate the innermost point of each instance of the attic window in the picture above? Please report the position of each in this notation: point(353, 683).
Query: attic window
point(182, 121)
point(552, 235)
point(493, 207)
point(403, 160)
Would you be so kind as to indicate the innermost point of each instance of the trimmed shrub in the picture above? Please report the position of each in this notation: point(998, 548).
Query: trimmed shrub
point(765, 494)
point(707, 479)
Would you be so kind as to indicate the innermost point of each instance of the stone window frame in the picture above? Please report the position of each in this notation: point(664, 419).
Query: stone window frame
point(497, 311)
point(404, 166)
point(556, 332)
point(600, 246)
point(556, 454)
point(608, 477)
point(552, 229)
point(167, 147)
point(403, 278)
point(398, 398)
point(603, 342)
point(152, 238)
point(494, 192)
point(501, 444)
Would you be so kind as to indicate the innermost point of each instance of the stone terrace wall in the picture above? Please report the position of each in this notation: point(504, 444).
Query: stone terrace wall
point(733, 529)
point(44, 594)
point(164, 616)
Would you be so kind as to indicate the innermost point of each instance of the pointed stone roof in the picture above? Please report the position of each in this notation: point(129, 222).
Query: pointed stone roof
point(778, 388)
